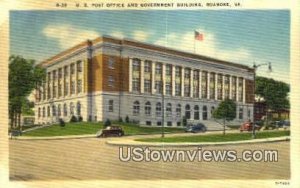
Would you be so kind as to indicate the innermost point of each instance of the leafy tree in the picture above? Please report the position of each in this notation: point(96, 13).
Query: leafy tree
point(226, 111)
point(24, 77)
point(274, 93)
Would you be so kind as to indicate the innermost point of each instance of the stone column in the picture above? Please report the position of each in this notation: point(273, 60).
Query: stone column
point(163, 80)
point(244, 90)
point(237, 88)
point(191, 82)
point(208, 84)
point(153, 78)
point(223, 86)
point(216, 86)
point(142, 76)
point(173, 80)
point(182, 81)
point(130, 75)
point(230, 87)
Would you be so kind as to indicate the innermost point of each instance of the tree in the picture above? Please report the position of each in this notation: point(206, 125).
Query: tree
point(226, 111)
point(24, 76)
point(274, 93)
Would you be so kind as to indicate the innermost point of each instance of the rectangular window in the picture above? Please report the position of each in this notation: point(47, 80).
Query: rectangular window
point(204, 85)
point(186, 90)
point(66, 91)
point(54, 91)
point(110, 105)
point(59, 73)
point(226, 87)
point(66, 72)
point(148, 123)
point(158, 123)
point(169, 123)
point(79, 86)
point(136, 65)
point(158, 68)
point(168, 89)
point(158, 87)
point(147, 67)
point(111, 81)
point(187, 73)
point(233, 91)
point(168, 70)
point(72, 68)
point(59, 90)
point(135, 84)
point(220, 86)
point(79, 66)
point(177, 72)
point(212, 86)
point(178, 89)
point(73, 87)
point(147, 86)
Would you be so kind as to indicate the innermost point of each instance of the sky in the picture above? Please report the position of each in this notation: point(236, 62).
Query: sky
point(239, 36)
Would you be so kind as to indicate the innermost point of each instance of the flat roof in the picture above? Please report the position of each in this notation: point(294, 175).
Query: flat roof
point(138, 44)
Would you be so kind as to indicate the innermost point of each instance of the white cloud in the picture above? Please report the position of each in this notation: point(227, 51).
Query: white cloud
point(68, 35)
point(118, 34)
point(140, 35)
point(208, 47)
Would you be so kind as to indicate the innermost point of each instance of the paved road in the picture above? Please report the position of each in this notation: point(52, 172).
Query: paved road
point(91, 158)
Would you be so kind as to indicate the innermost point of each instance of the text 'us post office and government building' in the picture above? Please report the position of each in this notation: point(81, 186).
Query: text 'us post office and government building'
point(110, 78)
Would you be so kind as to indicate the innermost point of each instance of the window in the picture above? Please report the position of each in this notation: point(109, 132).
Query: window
point(212, 86)
point(136, 108)
point(71, 108)
point(169, 123)
point(66, 91)
point(79, 86)
point(148, 123)
point(136, 65)
point(72, 87)
point(39, 112)
point(168, 88)
point(226, 87)
point(54, 91)
point(59, 110)
point(59, 73)
point(204, 113)
point(66, 71)
point(240, 89)
point(53, 110)
point(78, 109)
point(249, 114)
point(196, 112)
point(136, 84)
point(111, 81)
point(111, 62)
point(187, 111)
point(44, 112)
point(147, 86)
point(178, 110)
point(79, 66)
point(65, 110)
point(48, 111)
point(59, 90)
point(158, 68)
point(233, 85)
point(187, 73)
point(178, 123)
point(204, 85)
point(147, 67)
point(158, 87)
point(241, 113)
point(220, 86)
point(72, 68)
point(168, 70)
point(158, 123)
point(169, 110)
point(110, 105)
point(186, 90)
point(148, 108)
point(158, 109)
point(177, 72)
point(178, 89)
point(54, 75)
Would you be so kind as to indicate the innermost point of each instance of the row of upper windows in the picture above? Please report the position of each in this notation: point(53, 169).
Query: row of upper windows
point(53, 75)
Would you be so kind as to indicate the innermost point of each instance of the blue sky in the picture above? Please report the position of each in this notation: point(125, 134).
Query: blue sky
point(240, 36)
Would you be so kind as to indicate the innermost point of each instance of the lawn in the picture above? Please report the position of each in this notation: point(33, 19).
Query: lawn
point(217, 137)
point(92, 128)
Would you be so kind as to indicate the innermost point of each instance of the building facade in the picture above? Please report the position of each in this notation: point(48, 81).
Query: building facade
point(108, 78)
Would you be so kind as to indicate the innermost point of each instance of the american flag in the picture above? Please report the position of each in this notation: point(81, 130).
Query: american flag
point(198, 36)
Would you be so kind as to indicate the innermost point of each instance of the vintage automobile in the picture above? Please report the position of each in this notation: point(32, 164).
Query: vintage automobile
point(248, 126)
point(199, 127)
point(110, 131)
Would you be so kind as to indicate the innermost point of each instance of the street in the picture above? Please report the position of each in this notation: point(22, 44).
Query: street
point(92, 158)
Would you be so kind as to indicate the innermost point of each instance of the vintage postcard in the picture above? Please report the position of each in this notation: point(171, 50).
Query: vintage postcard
point(150, 93)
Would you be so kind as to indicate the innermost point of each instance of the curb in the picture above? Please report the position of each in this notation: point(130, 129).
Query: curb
point(53, 137)
point(193, 144)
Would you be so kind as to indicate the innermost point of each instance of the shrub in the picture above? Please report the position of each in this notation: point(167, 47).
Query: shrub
point(127, 119)
point(184, 121)
point(107, 123)
point(73, 119)
point(61, 122)
point(120, 120)
point(80, 119)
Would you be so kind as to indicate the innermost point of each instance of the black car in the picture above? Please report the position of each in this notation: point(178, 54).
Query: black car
point(111, 131)
point(196, 128)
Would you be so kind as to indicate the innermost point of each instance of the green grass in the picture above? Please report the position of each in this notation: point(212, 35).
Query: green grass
point(217, 137)
point(92, 128)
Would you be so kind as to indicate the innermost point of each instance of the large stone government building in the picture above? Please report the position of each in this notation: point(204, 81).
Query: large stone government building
point(109, 78)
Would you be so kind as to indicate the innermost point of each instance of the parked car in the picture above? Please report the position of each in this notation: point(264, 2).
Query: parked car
point(111, 131)
point(248, 126)
point(200, 127)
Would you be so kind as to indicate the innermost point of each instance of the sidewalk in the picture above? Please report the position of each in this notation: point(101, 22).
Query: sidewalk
point(132, 142)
